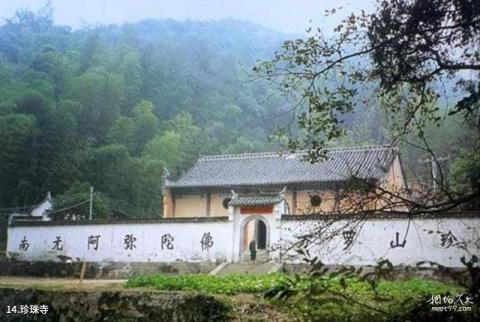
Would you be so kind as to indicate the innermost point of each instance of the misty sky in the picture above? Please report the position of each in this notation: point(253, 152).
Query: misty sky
point(290, 16)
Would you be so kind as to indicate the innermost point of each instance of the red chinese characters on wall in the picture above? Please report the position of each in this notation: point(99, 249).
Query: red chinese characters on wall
point(256, 210)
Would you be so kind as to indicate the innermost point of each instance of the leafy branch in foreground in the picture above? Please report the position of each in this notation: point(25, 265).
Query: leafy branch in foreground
point(400, 54)
point(348, 293)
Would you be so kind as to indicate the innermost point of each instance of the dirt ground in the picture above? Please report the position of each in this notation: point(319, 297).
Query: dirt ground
point(246, 307)
point(61, 283)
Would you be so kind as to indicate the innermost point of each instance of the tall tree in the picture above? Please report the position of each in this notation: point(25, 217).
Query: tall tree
point(405, 47)
point(401, 53)
point(110, 106)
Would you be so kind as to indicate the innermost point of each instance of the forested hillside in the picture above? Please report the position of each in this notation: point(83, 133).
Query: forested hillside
point(112, 106)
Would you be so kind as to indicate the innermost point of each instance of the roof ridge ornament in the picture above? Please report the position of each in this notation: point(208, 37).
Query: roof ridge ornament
point(166, 173)
point(166, 178)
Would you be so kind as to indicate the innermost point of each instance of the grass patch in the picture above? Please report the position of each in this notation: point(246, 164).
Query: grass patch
point(393, 300)
point(228, 284)
point(234, 284)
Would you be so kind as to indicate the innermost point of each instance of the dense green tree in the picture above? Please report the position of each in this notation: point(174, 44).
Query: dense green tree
point(122, 132)
point(167, 148)
point(100, 94)
point(112, 106)
point(145, 123)
point(131, 70)
point(17, 131)
point(74, 203)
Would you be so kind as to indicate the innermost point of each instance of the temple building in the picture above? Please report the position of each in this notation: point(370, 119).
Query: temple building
point(255, 182)
point(257, 185)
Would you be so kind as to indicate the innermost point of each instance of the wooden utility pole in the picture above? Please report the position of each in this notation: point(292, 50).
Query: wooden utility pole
point(90, 212)
point(434, 167)
point(83, 270)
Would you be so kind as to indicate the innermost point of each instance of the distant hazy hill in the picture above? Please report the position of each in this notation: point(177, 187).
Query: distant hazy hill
point(112, 105)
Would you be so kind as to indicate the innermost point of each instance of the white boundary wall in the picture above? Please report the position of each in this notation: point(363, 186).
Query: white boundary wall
point(187, 242)
point(443, 240)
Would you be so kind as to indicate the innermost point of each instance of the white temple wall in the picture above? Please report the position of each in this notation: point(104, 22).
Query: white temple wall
point(443, 241)
point(192, 242)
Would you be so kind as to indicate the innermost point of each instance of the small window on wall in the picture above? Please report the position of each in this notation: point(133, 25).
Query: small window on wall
point(225, 202)
point(315, 200)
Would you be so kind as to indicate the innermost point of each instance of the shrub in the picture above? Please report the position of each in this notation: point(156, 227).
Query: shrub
point(228, 284)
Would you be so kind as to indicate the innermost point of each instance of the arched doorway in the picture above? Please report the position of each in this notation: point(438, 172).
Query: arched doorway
point(255, 228)
point(261, 235)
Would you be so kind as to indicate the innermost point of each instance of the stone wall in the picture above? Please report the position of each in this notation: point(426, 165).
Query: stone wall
point(3, 233)
point(101, 270)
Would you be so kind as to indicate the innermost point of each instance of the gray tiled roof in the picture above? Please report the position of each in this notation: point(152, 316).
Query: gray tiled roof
point(273, 168)
point(255, 201)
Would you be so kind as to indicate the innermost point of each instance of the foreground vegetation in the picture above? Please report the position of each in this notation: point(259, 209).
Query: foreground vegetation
point(229, 284)
point(262, 297)
point(350, 299)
